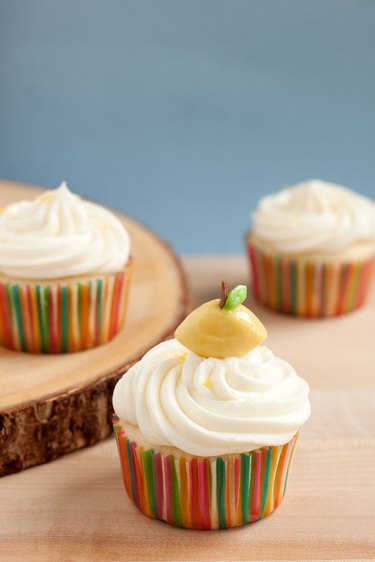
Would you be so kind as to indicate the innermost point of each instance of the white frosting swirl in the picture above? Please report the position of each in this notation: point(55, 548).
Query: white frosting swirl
point(314, 216)
point(209, 407)
point(60, 235)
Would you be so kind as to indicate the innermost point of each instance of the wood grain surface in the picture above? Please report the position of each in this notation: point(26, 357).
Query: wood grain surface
point(54, 404)
point(76, 508)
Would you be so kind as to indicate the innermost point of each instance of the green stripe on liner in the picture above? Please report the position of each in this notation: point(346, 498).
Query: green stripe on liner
point(99, 296)
point(176, 508)
point(42, 331)
point(148, 468)
point(130, 468)
point(220, 485)
point(245, 484)
point(15, 292)
point(265, 485)
point(45, 309)
point(293, 286)
point(64, 319)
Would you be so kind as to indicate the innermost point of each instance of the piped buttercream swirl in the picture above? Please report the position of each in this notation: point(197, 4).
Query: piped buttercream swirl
point(210, 406)
point(314, 216)
point(60, 235)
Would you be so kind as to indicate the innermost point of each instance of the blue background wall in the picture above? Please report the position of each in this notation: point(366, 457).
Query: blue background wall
point(183, 113)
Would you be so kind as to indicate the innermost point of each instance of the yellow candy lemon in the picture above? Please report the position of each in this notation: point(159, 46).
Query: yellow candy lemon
point(222, 327)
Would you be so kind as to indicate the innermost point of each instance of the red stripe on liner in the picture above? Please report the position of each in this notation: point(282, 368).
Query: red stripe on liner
point(168, 488)
point(203, 494)
point(5, 317)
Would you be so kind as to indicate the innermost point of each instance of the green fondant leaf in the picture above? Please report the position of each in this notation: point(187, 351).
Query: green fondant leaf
point(236, 297)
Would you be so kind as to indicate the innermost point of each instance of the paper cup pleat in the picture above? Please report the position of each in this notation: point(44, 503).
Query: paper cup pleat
point(60, 317)
point(307, 288)
point(204, 493)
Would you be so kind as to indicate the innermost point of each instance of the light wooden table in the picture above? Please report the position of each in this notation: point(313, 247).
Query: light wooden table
point(76, 509)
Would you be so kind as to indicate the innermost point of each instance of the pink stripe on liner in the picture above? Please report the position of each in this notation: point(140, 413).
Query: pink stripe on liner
point(231, 496)
point(204, 495)
point(168, 488)
point(6, 318)
point(193, 493)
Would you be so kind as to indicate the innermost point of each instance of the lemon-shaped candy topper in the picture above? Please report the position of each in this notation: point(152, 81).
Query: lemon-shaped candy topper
point(222, 327)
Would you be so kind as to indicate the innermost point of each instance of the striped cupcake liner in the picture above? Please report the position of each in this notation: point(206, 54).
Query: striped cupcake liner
point(309, 289)
point(63, 317)
point(205, 493)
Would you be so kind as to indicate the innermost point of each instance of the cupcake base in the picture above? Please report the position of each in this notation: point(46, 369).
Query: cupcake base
point(204, 493)
point(62, 316)
point(309, 288)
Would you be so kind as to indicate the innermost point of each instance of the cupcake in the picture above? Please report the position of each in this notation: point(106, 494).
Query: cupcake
point(64, 274)
point(312, 250)
point(206, 424)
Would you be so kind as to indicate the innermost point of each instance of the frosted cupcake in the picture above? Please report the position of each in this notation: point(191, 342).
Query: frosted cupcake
point(64, 274)
point(207, 423)
point(312, 248)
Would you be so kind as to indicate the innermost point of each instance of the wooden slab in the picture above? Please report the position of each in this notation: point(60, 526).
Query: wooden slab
point(54, 404)
point(77, 509)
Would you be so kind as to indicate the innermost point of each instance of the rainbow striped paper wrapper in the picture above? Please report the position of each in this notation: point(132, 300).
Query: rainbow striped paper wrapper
point(308, 288)
point(204, 493)
point(60, 317)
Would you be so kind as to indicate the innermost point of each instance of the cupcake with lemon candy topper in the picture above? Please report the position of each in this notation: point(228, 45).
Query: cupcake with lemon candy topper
point(64, 274)
point(206, 423)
